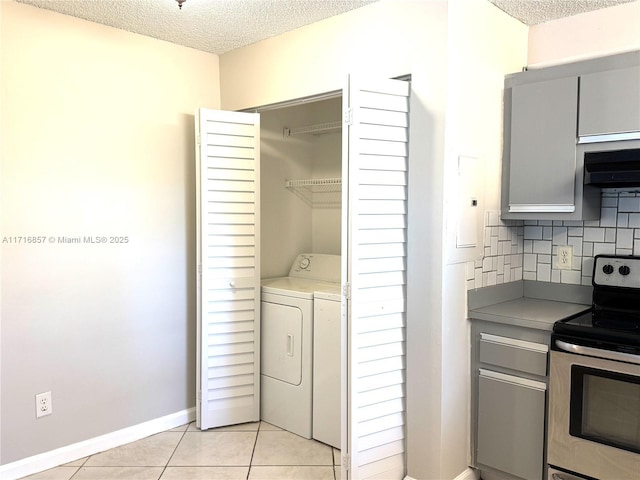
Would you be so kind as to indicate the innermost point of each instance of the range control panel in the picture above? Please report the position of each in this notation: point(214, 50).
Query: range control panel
point(616, 271)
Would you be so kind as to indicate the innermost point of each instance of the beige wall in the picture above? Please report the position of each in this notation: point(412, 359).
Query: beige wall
point(389, 38)
point(457, 65)
point(458, 55)
point(97, 130)
point(479, 57)
point(385, 39)
point(592, 34)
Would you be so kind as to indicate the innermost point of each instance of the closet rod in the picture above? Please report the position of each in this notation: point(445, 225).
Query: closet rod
point(313, 129)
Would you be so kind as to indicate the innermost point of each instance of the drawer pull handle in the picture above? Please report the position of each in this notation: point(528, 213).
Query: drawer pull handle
point(521, 382)
point(512, 342)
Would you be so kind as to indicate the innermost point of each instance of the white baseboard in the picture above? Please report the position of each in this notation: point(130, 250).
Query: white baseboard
point(468, 474)
point(75, 451)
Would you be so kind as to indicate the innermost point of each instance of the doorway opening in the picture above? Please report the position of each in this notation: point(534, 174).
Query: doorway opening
point(366, 226)
point(301, 242)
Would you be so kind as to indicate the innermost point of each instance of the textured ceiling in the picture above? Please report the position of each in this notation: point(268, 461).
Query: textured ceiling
point(218, 26)
point(533, 12)
point(215, 26)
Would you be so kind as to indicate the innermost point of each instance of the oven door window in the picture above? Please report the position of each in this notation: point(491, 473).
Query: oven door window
point(605, 407)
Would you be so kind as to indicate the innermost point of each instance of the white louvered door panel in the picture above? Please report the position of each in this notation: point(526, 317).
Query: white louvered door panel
point(376, 158)
point(228, 248)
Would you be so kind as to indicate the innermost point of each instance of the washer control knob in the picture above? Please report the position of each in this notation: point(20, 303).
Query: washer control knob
point(608, 269)
point(624, 270)
point(304, 263)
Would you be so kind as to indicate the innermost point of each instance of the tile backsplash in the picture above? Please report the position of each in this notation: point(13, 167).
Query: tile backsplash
point(528, 250)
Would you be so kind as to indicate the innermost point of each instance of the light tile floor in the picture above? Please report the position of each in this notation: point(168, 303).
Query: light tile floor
point(251, 451)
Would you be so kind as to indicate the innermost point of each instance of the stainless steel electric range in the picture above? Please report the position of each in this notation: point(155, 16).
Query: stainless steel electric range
point(594, 386)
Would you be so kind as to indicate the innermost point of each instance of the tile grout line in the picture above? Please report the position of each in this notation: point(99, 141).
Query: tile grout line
point(164, 469)
point(78, 468)
point(333, 457)
point(255, 443)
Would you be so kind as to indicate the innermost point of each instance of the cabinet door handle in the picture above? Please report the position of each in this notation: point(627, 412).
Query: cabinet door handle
point(609, 137)
point(521, 382)
point(540, 208)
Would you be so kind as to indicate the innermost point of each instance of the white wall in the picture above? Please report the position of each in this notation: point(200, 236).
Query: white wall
point(97, 129)
point(592, 34)
point(327, 163)
point(289, 224)
point(285, 227)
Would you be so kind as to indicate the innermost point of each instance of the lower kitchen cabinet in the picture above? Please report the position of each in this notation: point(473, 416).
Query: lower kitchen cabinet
point(509, 373)
point(510, 430)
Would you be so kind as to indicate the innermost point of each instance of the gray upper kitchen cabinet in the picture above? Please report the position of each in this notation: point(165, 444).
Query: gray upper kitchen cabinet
point(542, 150)
point(550, 114)
point(610, 102)
point(542, 176)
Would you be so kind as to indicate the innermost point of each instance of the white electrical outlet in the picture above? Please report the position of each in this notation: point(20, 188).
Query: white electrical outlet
point(43, 404)
point(565, 257)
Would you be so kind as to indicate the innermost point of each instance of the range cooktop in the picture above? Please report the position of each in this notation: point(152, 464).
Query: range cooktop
point(613, 323)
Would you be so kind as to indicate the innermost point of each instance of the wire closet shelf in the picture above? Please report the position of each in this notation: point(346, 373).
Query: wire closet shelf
point(317, 193)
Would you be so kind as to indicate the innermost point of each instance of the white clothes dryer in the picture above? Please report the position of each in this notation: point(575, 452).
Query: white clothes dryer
point(287, 340)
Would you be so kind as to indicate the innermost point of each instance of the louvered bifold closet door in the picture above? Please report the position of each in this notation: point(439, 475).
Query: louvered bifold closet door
point(228, 259)
point(378, 137)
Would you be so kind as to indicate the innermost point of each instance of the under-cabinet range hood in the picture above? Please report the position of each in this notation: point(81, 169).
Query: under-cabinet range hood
point(612, 164)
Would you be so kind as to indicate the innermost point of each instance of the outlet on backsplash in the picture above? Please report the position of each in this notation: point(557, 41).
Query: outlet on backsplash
point(565, 257)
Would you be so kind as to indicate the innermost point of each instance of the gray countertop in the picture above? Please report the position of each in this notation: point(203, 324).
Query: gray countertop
point(528, 312)
point(526, 305)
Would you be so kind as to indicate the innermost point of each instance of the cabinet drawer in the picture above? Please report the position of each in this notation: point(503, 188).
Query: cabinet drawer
point(514, 354)
point(511, 424)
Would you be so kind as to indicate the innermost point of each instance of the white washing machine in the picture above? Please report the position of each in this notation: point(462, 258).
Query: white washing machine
point(287, 340)
point(327, 329)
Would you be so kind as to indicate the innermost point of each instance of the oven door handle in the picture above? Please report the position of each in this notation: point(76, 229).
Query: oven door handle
point(597, 352)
